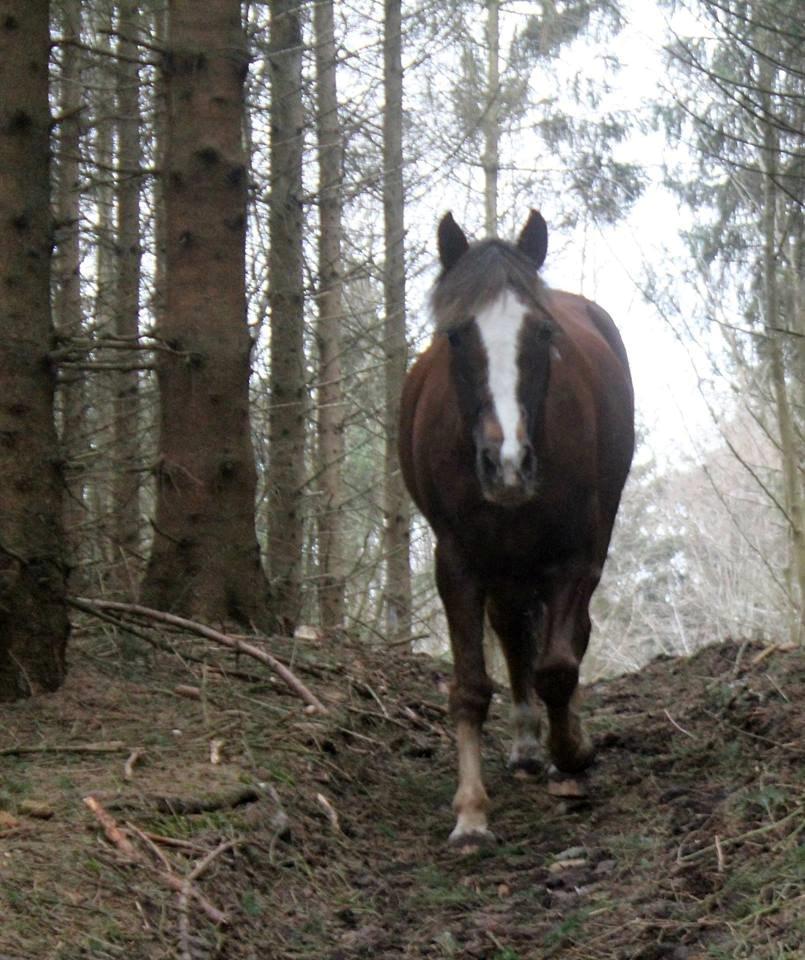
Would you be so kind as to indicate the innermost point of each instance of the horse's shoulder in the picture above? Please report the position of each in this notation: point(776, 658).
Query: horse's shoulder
point(427, 362)
point(579, 317)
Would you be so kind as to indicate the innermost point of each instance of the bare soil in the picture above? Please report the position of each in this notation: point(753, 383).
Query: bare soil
point(691, 843)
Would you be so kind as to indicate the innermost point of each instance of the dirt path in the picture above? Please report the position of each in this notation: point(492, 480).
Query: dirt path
point(691, 843)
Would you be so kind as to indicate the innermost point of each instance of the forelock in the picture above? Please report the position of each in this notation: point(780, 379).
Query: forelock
point(480, 276)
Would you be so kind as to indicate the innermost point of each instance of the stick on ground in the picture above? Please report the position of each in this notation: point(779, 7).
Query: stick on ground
point(159, 616)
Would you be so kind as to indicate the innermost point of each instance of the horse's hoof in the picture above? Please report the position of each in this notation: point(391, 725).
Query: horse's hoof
point(574, 760)
point(525, 768)
point(472, 841)
point(567, 786)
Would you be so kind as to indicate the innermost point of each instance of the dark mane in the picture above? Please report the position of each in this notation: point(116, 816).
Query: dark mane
point(482, 274)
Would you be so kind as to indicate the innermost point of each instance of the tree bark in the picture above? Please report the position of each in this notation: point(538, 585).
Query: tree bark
point(396, 504)
point(205, 561)
point(328, 334)
point(287, 376)
point(33, 619)
point(789, 448)
point(126, 436)
point(490, 121)
point(67, 313)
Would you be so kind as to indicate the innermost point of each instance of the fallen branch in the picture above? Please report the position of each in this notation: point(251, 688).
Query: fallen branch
point(108, 746)
point(159, 616)
point(168, 878)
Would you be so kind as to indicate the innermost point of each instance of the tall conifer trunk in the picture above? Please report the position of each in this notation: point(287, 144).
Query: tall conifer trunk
point(790, 450)
point(287, 380)
point(330, 419)
point(205, 559)
point(33, 620)
point(396, 505)
point(67, 312)
point(126, 437)
point(490, 121)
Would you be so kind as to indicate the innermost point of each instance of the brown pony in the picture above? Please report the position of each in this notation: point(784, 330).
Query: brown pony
point(516, 437)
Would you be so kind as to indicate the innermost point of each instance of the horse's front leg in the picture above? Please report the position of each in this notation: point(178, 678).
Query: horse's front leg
point(564, 642)
point(470, 692)
point(515, 621)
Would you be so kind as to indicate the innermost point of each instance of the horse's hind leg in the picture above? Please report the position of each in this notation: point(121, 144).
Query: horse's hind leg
point(516, 630)
point(470, 693)
point(564, 642)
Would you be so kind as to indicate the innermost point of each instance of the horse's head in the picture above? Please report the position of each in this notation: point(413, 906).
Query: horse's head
point(487, 302)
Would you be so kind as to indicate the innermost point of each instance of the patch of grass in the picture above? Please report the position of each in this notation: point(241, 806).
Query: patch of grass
point(278, 773)
point(252, 903)
point(764, 886)
point(568, 929)
point(433, 888)
point(186, 827)
point(769, 799)
point(15, 783)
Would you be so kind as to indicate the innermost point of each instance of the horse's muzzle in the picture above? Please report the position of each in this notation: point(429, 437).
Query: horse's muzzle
point(507, 481)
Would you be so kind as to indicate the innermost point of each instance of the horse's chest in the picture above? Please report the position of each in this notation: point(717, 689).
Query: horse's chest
point(519, 543)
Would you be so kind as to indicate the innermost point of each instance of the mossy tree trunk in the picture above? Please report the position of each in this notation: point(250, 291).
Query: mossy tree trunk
point(33, 620)
point(205, 561)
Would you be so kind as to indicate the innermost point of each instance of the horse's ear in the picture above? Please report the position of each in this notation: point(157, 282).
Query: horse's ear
point(533, 240)
point(452, 242)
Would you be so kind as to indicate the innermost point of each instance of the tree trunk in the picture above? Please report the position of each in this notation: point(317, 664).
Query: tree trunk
point(33, 620)
point(126, 436)
point(67, 313)
point(789, 448)
point(205, 560)
point(396, 505)
point(490, 121)
point(330, 391)
point(287, 378)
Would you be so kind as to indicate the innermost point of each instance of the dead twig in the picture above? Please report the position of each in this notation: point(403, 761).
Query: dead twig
point(216, 747)
point(720, 844)
point(292, 681)
point(680, 728)
point(134, 758)
point(113, 832)
point(187, 890)
point(118, 837)
point(330, 811)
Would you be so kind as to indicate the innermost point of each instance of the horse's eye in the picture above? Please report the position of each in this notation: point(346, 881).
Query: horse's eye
point(545, 333)
point(454, 336)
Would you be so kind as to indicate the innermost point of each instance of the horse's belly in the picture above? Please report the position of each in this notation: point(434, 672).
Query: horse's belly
point(521, 544)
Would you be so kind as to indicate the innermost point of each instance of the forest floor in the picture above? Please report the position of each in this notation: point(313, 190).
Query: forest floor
point(325, 836)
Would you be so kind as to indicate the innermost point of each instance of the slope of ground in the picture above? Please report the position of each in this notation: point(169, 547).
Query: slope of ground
point(328, 833)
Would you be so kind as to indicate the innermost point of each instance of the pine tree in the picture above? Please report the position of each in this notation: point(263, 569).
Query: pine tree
point(33, 620)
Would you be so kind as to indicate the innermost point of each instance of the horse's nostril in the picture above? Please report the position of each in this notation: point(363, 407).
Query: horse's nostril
point(527, 462)
point(489, 463)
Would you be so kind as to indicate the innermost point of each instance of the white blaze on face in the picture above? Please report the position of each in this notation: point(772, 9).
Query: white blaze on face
point(499, 325)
